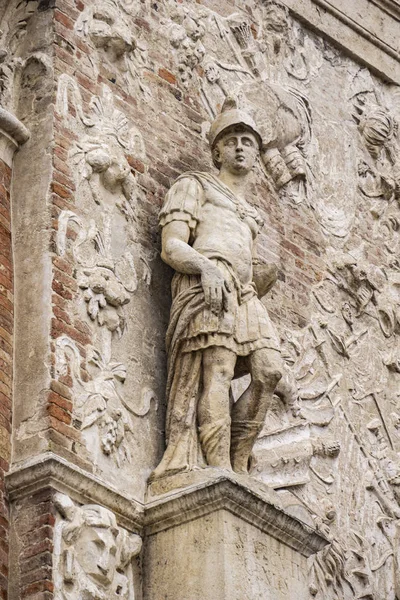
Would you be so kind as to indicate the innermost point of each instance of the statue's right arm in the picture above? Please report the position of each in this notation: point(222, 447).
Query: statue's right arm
point(179, 255)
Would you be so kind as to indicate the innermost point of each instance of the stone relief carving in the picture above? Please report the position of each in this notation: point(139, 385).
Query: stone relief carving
point(102, 239)
point(93, 554)
point(357, 294)
point(126, 53)
point(289, 448)
point(104, 120)
point(280, 45)
point(378, 167)
point(100, 405)
point(185, 31)
point(13, 31)
point(103, 173)
point(108, 283)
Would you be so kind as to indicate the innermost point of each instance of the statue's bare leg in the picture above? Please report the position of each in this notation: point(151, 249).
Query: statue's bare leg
point(213, 407)
point(248, 413)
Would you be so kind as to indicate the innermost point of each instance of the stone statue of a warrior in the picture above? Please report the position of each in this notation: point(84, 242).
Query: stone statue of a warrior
point(218, 325)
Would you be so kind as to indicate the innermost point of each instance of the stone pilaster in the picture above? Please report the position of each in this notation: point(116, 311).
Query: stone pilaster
point(12, 135)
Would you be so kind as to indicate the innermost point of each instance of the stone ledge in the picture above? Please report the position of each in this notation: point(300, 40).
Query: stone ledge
point(12, 134)
point(356, 37)
point(262, 509)
point(13, 127)
point(49, 470)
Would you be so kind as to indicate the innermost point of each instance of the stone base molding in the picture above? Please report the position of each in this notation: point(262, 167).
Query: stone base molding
point(209, 533)
point(51, 471)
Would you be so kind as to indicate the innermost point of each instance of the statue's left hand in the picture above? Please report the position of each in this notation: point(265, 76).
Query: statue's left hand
point(215, 287)
point(264, 276)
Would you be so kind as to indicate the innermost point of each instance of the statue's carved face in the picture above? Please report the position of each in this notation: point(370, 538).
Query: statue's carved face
point(237, 151)
point(96, 551)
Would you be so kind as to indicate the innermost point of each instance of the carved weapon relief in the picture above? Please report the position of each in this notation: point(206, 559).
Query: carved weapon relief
point(93, 554)
point(378, 167)
point(345, 363)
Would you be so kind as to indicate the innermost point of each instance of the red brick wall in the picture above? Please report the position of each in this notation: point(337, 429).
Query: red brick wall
point(32, 554)
point(6, 332)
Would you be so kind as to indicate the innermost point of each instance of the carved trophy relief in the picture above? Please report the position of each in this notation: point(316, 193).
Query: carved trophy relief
point(107, 282)
point(242, 32)
point(334, 193)
point(93, 554)
point(379, 163)
point(284, 45)
point(290, 447)
point(355, 564)
point(106, 246)
point(381, 450)
point(102, 239)
point(110, 32)
point(185, 31)
point(387, 234)
point(388, 555)
point(102, 120)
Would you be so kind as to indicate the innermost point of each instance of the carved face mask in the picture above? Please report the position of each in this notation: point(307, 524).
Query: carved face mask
point(212, 73)
point(96, 551)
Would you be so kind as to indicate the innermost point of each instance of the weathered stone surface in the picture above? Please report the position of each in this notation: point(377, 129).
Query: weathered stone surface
point(204, 543)
point(119, 97)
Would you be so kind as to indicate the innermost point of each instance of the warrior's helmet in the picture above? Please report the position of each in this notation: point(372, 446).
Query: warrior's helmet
point(231, 116)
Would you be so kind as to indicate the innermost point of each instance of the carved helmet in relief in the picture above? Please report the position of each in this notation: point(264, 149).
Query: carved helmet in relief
point(230, 116)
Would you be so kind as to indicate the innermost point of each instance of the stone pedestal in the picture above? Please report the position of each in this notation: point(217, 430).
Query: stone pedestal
point(226, 538)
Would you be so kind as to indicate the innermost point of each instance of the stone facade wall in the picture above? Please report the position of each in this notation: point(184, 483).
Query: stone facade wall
point(119, 96)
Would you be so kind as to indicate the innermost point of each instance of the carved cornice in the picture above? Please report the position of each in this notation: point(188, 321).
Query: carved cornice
point(51, 471)
point(392, 7)
point(344, 18)
point(12, 134)
point(227, 494)
point(354, 36)
point(259, 507)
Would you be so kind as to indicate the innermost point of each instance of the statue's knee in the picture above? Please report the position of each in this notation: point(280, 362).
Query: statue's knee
point(277, 374)
point(269, 377)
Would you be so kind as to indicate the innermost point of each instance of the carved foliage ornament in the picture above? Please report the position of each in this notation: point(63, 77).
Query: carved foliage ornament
point(105, 268)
